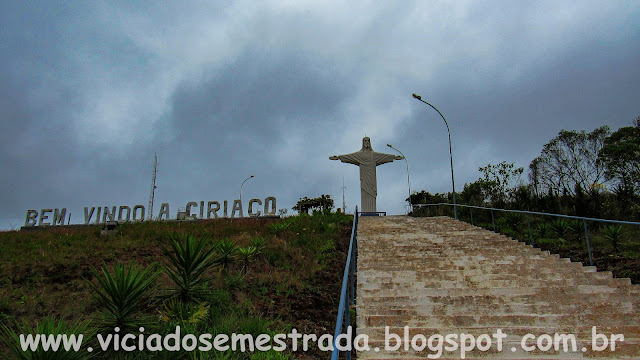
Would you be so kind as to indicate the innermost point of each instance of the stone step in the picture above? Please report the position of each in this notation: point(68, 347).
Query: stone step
point(510, 350)
point(454, 264)
point(480, 283)
point(610, 319)
point(497, 300)
point(556, 291)
point(474, 275)
point(630, 332)
point(434, 270)
point(442, 276)
point(507, 309)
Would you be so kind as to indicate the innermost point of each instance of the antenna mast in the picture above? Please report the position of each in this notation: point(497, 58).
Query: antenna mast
point(153, 187)
point(344, 206)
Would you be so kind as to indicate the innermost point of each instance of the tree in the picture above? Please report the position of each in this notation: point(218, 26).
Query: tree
point(425, 197)
point(620, 155)
point(500, 181)
point(476, 193)
point(569, 161)
point(322, 203)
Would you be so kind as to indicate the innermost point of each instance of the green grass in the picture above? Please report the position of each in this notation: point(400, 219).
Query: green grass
point(266, 287)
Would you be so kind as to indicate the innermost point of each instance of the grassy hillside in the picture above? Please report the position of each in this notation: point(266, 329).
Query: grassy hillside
point(291, 278)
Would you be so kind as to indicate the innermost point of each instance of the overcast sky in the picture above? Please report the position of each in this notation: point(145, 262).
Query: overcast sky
point(90, 90)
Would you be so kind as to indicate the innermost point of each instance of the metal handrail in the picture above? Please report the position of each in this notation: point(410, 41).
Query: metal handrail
point(536, 213)
point(347, 293)
point(584, 220)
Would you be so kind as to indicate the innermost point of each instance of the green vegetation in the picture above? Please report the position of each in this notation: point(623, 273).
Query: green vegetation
point(588, 174)
point(122, 294)
point(48, 325)
point(218, 277)
point(188, 261)
point(615, 235)
point(323, 203)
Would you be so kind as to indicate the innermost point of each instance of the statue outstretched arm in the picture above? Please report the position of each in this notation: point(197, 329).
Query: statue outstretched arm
point(352, 158)
point(386, 158)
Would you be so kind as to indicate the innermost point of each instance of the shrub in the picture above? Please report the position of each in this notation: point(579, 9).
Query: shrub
point(614, 234)
point(576, 228)
point(279, 227)
point(188, 261)
point(122, 294)
point(514, 220)
point(561, 228)
point(50, 327)
point(227, 250)
point(246, 256)
point(543, 229)
point(259, 244)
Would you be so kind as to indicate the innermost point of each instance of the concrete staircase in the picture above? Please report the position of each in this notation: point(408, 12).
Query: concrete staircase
point(442, 276)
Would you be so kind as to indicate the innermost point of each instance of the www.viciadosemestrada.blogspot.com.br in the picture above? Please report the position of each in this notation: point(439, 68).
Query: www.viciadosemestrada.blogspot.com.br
point(434, 344)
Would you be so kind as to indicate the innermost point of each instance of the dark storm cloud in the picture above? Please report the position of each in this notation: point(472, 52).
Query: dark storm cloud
point(36, 146)
point(89, 91)
point(238, 122)
point(259, 95)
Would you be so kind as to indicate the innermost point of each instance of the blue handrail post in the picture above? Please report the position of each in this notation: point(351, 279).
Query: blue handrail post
point(493, 220)
point(471, 213)
point(533, 243)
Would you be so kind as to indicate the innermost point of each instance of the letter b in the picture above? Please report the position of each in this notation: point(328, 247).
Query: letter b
point(594, 340)
point(388, 337)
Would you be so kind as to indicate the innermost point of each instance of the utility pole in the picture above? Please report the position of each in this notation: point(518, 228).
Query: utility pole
point(344, 205)
point(153, 187)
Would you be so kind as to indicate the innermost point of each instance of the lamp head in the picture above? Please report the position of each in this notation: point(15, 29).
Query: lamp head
point(251, 176)
point(389, 145)
point(417, 96)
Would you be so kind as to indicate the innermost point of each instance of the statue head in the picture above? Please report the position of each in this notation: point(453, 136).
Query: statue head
point(366, 143)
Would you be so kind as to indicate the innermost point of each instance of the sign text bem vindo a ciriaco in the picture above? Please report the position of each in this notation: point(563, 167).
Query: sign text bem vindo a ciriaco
point(124, 213)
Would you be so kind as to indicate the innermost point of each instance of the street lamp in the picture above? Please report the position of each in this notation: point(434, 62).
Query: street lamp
point(245, 180)
point(453, 183)
point(407, 161)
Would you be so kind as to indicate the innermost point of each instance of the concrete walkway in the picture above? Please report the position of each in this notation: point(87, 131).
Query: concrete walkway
point(441, 276)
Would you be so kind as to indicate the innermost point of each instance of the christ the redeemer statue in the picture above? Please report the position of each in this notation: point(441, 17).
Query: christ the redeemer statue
point(367, 160)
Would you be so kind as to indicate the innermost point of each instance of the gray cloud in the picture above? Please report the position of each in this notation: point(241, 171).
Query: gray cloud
point(90, 91)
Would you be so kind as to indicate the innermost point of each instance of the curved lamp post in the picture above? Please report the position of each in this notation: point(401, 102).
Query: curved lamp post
point(407, 161)
point(453, 183)
point(245, 180)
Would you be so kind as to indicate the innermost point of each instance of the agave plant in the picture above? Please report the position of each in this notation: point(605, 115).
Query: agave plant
point(576, 228)
point(543, 229)
point(188, 261)
point(279, 227)
point(259, 244)
point(123, 293)
point(227, 250)
point(48, 326)
point(561, 228)
point(246, 255)
point(514, 219)
point(615, 235)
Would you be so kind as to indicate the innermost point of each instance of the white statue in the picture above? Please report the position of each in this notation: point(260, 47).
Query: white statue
point(367, 160)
